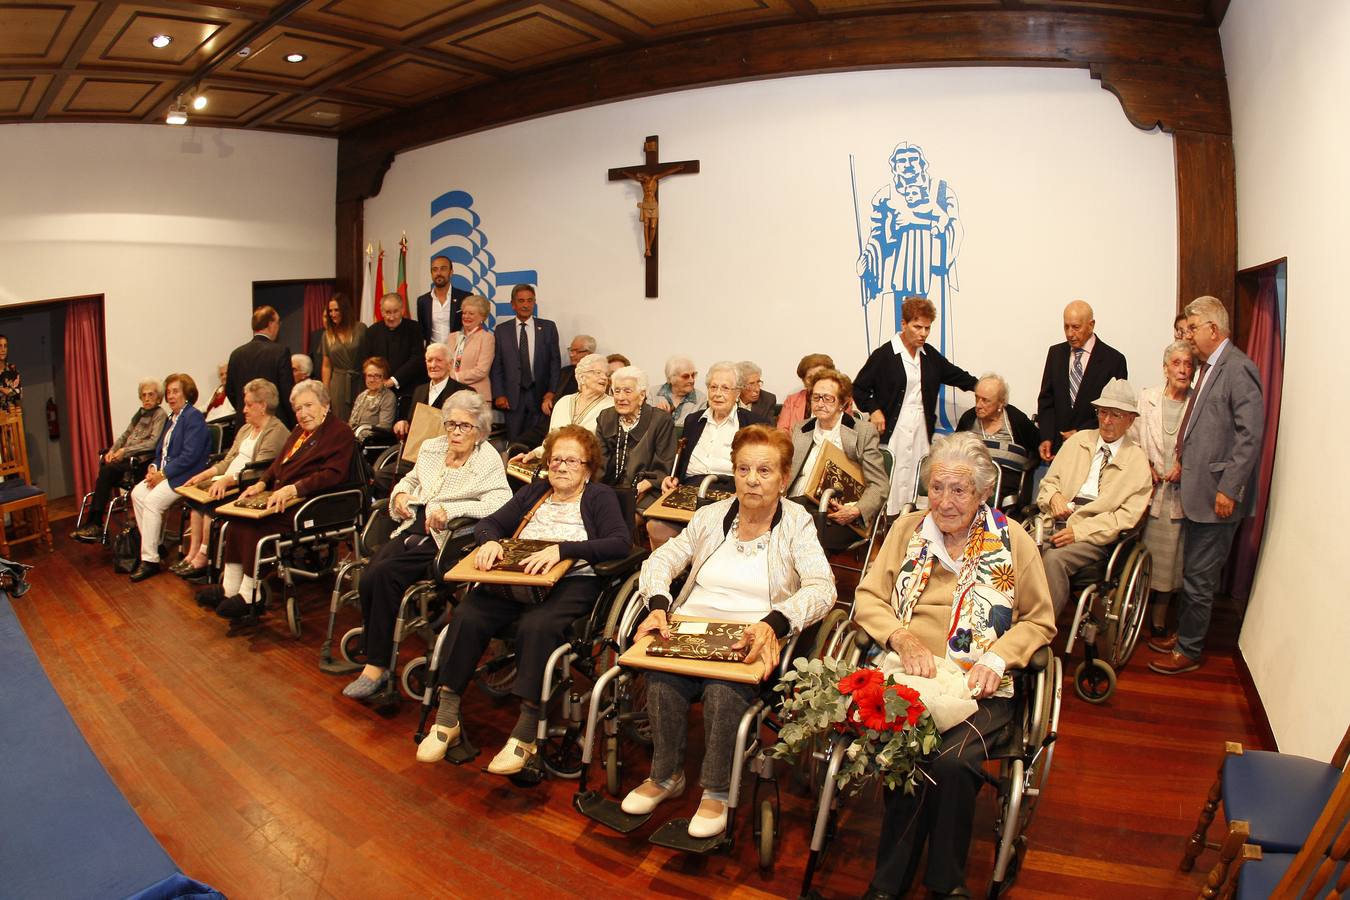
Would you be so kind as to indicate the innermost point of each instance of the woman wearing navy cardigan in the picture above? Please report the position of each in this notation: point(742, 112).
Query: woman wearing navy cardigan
point(182, 452)
point(584, 518)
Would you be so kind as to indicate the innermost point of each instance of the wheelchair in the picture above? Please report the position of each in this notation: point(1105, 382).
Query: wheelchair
point(613, 706)
point(1112, 603)
point(863, 548)
point(120, 501)
point(1023, 752)
point(321, 525)
point(590, 648)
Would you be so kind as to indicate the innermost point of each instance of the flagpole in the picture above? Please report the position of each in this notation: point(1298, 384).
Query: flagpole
point(857, 231)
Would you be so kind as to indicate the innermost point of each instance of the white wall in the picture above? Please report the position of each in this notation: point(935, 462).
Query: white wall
point(1288, 76)
point(1060, 198)
point(171, 225)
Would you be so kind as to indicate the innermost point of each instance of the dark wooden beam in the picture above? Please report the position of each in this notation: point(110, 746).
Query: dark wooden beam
point(1216, 10)
point(1206, 217)
point(72, 60)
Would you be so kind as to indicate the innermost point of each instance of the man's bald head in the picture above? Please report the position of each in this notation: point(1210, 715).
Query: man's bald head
point(1078, 323)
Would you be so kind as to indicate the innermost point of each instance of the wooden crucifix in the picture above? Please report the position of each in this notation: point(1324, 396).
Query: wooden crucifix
point(648, 176)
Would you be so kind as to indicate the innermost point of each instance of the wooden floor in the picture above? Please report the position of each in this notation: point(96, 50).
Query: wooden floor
point(262, 780)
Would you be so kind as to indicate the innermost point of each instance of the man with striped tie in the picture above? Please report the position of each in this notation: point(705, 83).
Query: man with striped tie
point(1075, 373)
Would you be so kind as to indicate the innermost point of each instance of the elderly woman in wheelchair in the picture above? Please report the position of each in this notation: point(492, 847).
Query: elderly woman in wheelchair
point(316, 456)
point(583, 522)
point(957, 584)
point(752, 559)
point(457, 475)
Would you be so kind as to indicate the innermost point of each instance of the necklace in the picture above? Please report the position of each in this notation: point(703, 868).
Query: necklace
point(1175, 413)
point(579, 411)
point(752, 546)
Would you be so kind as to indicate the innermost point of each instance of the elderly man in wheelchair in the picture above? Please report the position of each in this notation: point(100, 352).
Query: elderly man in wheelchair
point(955, 585)
point(1097, 489)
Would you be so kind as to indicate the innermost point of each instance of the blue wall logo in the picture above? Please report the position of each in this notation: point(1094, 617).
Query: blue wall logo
point(908, 240)
point(456, 232)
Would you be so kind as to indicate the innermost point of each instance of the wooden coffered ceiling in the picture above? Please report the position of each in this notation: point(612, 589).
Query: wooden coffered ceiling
point(93, 61)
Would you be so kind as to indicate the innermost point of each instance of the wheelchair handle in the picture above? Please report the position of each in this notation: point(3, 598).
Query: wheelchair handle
point(825, 496)
point(707, 482)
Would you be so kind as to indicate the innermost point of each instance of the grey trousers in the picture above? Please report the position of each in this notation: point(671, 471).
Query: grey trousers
point(1062, 562)
point(724, 703)
point(1206, 546)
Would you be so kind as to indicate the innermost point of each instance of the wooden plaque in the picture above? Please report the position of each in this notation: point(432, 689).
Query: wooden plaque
point(198, 494)
point(425, 424)
point(526, 471)
point(680, 504)
point(506, 571)
point(254, 507)
point(833, 469)
point(637, 657)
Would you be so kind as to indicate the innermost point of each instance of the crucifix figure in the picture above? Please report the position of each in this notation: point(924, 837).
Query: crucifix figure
point(648, 176)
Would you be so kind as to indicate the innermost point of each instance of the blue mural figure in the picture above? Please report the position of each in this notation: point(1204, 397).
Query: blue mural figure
point(913, 240)
point(456, 232)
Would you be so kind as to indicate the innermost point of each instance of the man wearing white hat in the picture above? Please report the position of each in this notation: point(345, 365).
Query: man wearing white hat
point(1097, 487)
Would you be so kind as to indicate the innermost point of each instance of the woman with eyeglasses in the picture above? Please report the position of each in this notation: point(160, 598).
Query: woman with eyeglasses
point(830, 392)
point(583, 522)
point(376, 406)
point(957, 584)
point(751, 559)
point(582, 408)
point(457, 474)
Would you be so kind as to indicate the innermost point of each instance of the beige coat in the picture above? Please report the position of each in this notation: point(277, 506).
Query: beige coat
point(1122, 495)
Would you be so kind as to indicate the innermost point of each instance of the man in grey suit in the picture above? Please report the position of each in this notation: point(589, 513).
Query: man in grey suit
point(1218, 447)
point(525, 377)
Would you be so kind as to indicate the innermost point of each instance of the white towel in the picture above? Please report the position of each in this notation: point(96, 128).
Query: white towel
point(945, 694)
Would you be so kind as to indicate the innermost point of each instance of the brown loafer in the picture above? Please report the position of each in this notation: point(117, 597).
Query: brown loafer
point(1163, 644)
point(1174, 663)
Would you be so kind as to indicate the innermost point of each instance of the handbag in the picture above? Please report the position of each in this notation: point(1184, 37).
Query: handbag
point(126, 548)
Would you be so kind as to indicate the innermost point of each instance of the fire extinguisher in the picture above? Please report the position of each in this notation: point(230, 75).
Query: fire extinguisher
point(53, 420)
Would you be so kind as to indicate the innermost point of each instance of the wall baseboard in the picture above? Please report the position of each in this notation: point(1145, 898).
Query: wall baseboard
point(1254, 703)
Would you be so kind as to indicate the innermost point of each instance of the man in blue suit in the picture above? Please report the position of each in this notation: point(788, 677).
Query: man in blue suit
point(525, 370)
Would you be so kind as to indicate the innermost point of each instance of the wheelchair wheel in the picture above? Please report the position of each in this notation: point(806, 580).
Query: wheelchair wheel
point(293, 615)
point(827, 636)
point(609, 655)
point(561, 755)
point(352, 647)
point(496, 676)
point(414, 678)
point(1131, 605)
point(613, 775)
point(1096, 682)
point(766, 834)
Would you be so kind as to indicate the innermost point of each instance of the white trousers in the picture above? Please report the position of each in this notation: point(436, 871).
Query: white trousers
point(150, 504)
point(908, 446)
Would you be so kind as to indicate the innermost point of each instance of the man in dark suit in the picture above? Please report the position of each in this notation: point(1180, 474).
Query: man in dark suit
point(399, 341)
point(437, 387)
point(525, 375)
point(1075, 373)
point(438, 310)
point(1218, 451)
point(582, 345)
point(261, 357)
point(754, 399)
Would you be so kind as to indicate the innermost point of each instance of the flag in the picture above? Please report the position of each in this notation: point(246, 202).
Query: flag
point(403, 271)
point(368, 286)
point(379, 275)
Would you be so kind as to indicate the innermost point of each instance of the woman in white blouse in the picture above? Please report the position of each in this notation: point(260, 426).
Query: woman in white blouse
point(472, 349)
point(582, 408)
point(752, 559)
point(260, 440)
point(459, 474)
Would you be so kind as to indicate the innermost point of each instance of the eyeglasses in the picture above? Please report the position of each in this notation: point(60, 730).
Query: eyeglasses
point(1103, 413)
point(721, 388)
point(565, 462)
point(379, 376)
point(459, 427)
point(824, 399)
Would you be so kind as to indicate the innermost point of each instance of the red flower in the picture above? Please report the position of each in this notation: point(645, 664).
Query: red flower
point(915, 708)
point(859, 678)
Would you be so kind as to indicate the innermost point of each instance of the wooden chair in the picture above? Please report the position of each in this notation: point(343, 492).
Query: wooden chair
point(23, 502)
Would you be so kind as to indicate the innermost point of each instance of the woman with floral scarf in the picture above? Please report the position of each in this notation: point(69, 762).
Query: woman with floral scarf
point(959, 582)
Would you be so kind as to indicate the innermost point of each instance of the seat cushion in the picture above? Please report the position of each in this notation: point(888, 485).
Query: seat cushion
point(16, 489)
point(1257, 879)
point(1280, 795)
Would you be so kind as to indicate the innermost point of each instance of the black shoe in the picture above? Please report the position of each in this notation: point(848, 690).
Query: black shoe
point(187, 572)
point(234, 608)
point(89, 534)
point(959, 891)
point(144, 570)
point(211, 597)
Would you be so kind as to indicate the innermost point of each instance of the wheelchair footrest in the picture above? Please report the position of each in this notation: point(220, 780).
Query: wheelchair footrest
point(598, 808)
point(675, 836)
point(461, 751)
point(338, 667)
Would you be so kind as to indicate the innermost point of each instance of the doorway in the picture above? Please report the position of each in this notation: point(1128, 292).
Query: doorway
point(288, 299)
point(36, 335)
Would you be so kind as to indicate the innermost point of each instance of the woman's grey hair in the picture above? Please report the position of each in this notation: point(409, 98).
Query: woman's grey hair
point(1177, 347)
point(313, 385)
point(473, 301)
point(1002, 385)
point(473, 403)
point(302, 362)
point(150, 383)
point(748, 370)
point(1209, 309)
point(265, 391)
point(593, 362)
point(963, 448)
point(725, 366)
point(678, 364)
point(633, 374)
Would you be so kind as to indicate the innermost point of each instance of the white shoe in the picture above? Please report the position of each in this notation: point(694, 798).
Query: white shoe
point(638, 803)
point(438, 740)
point(511, 758)
point(710, 820)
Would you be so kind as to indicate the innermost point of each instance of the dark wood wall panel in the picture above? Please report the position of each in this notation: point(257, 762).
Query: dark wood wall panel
point(1206, 217)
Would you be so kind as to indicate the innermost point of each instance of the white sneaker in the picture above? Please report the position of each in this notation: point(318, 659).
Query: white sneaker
point(644, 798)
point(710, 820)
point(438, 740)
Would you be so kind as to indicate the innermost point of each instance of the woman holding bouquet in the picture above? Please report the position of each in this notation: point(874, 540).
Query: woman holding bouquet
point(957, 581)
point(752, 559)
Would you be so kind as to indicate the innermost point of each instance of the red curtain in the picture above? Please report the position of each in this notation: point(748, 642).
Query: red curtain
point(1265, 345)
point(86, 389)
point(316, 304)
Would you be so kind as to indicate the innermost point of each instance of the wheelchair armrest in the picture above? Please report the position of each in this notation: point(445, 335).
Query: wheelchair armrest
point(1040, 660)
point(614, 567)
point(825, 496)
point(707, 482)
point(372, 435)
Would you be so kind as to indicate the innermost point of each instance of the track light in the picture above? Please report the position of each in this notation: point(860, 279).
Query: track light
point(199, 102)
point(177, 114)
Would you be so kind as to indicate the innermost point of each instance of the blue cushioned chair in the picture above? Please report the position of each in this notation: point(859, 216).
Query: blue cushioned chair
point(19, 499)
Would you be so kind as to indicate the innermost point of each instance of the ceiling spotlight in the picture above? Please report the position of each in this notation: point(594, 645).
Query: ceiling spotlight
point(161, 41)
point(177, 114)
point(295, 57)
point(199, 101)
